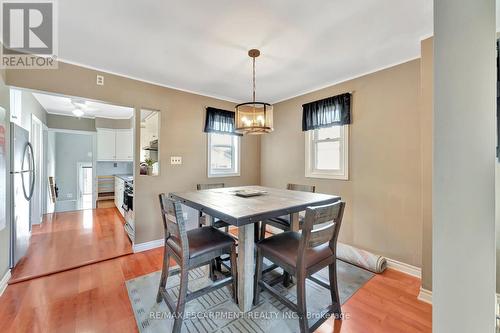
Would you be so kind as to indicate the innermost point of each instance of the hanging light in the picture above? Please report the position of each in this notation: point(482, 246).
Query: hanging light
point(254, 117)
point(78, 112)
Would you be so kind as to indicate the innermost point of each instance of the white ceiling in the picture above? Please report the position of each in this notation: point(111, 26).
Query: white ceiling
point(61, 105)
point(201, 46)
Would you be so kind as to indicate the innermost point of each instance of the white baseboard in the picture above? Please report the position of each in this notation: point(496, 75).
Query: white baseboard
point(425, 295)
point(3, 282)
point(404, 268)
point(148, 245)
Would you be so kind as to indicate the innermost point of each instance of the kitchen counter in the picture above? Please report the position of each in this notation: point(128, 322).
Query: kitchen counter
point(126, 177)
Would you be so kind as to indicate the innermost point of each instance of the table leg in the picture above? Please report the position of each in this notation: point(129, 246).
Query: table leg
point(246, 266)
point(294, 221)
point(211, 267)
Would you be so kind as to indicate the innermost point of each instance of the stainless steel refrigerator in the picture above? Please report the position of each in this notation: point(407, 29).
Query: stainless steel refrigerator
point(22, 176)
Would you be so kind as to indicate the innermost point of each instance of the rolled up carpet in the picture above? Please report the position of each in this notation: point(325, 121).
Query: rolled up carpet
point(361, 258)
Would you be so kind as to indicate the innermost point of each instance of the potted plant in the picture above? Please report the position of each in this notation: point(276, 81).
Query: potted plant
point(149, 163)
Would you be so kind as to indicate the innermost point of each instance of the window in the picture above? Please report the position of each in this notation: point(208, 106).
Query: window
point(223, 155)
point(327, 152)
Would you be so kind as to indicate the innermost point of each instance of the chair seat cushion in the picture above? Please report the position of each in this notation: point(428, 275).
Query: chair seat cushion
point(203, 240)
point(284, 247)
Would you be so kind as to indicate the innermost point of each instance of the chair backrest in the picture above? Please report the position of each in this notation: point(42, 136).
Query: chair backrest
point(303, 188)
point(173, 221)
point(209, 186)
point(331, 218)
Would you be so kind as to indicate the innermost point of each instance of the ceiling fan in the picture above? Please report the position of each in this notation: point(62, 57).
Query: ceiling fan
point(80, 107)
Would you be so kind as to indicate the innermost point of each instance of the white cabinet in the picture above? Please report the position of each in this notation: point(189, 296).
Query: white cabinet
point(106, 141)
point(115, 144)
point(119, 188)
point(124, 145)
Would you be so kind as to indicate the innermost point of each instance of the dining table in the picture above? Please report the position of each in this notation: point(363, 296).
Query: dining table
point(244, 213)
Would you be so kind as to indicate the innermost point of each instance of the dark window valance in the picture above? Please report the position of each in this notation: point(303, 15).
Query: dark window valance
point(219, 121)
point(327, 112)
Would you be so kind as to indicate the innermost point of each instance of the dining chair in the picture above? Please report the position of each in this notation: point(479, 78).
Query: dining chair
point(191, 249)
point(217, 263)
point(202, 219)
point(283, 222)
point(302, 255)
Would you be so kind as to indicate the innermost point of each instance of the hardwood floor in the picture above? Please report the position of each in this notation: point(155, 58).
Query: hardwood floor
point(71, 239)
point(94, 298)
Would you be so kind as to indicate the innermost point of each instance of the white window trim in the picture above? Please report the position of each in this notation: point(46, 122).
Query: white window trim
point(236, 160)
point(342, 174)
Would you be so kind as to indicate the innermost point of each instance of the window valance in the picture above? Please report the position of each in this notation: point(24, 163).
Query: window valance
point(219, 121)
point(327, 112)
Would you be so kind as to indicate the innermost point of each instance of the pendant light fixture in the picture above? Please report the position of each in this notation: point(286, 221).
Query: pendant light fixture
point(254, 117)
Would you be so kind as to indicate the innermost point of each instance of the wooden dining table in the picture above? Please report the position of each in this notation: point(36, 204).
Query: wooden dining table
point(244, 212)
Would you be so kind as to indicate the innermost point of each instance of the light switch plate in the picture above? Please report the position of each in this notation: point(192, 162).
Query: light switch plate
point(177, 160)
point(100, 80)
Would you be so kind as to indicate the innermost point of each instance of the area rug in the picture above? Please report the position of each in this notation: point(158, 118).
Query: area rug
point(216, 311)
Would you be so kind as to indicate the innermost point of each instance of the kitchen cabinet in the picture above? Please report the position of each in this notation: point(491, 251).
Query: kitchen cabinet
point(124, 145)
point(115, 144)
point(106, 141)
point(119, 188)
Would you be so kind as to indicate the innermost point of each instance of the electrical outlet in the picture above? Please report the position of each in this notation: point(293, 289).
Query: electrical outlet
point(100, 80)
point(175, 160)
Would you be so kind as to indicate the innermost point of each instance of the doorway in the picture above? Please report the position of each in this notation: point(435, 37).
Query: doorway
point(85, 189)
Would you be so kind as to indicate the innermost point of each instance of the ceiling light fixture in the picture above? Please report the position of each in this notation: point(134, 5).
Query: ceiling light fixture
point(78, 113)
point(254, 117)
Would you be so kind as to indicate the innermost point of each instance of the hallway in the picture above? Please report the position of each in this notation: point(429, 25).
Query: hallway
point(73, 239)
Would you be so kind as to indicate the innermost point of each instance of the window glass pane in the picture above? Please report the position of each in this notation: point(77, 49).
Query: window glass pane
point(328, 133)
point(221, 139)
point(328, 155)
point(221, 152)
point(222, 157)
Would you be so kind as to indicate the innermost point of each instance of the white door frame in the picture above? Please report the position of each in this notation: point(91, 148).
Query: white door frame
point(36, 140)
point(79, 166)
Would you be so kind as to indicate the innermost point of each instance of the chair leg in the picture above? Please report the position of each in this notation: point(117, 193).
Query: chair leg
point(301, 303)
point(257, 277)
point(286, 279)
point(234, 273)
point(263, 230)
point(181, 302)
point(218, 264)
point(164, 275)
point(211, 270)
point(256, 232)
point(334, 290)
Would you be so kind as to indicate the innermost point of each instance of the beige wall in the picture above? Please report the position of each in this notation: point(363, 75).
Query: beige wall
point(70, 123)
point(426, 117)
point(182, 117)
point(383, 195)
point(85, 124)
point(113, 123)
